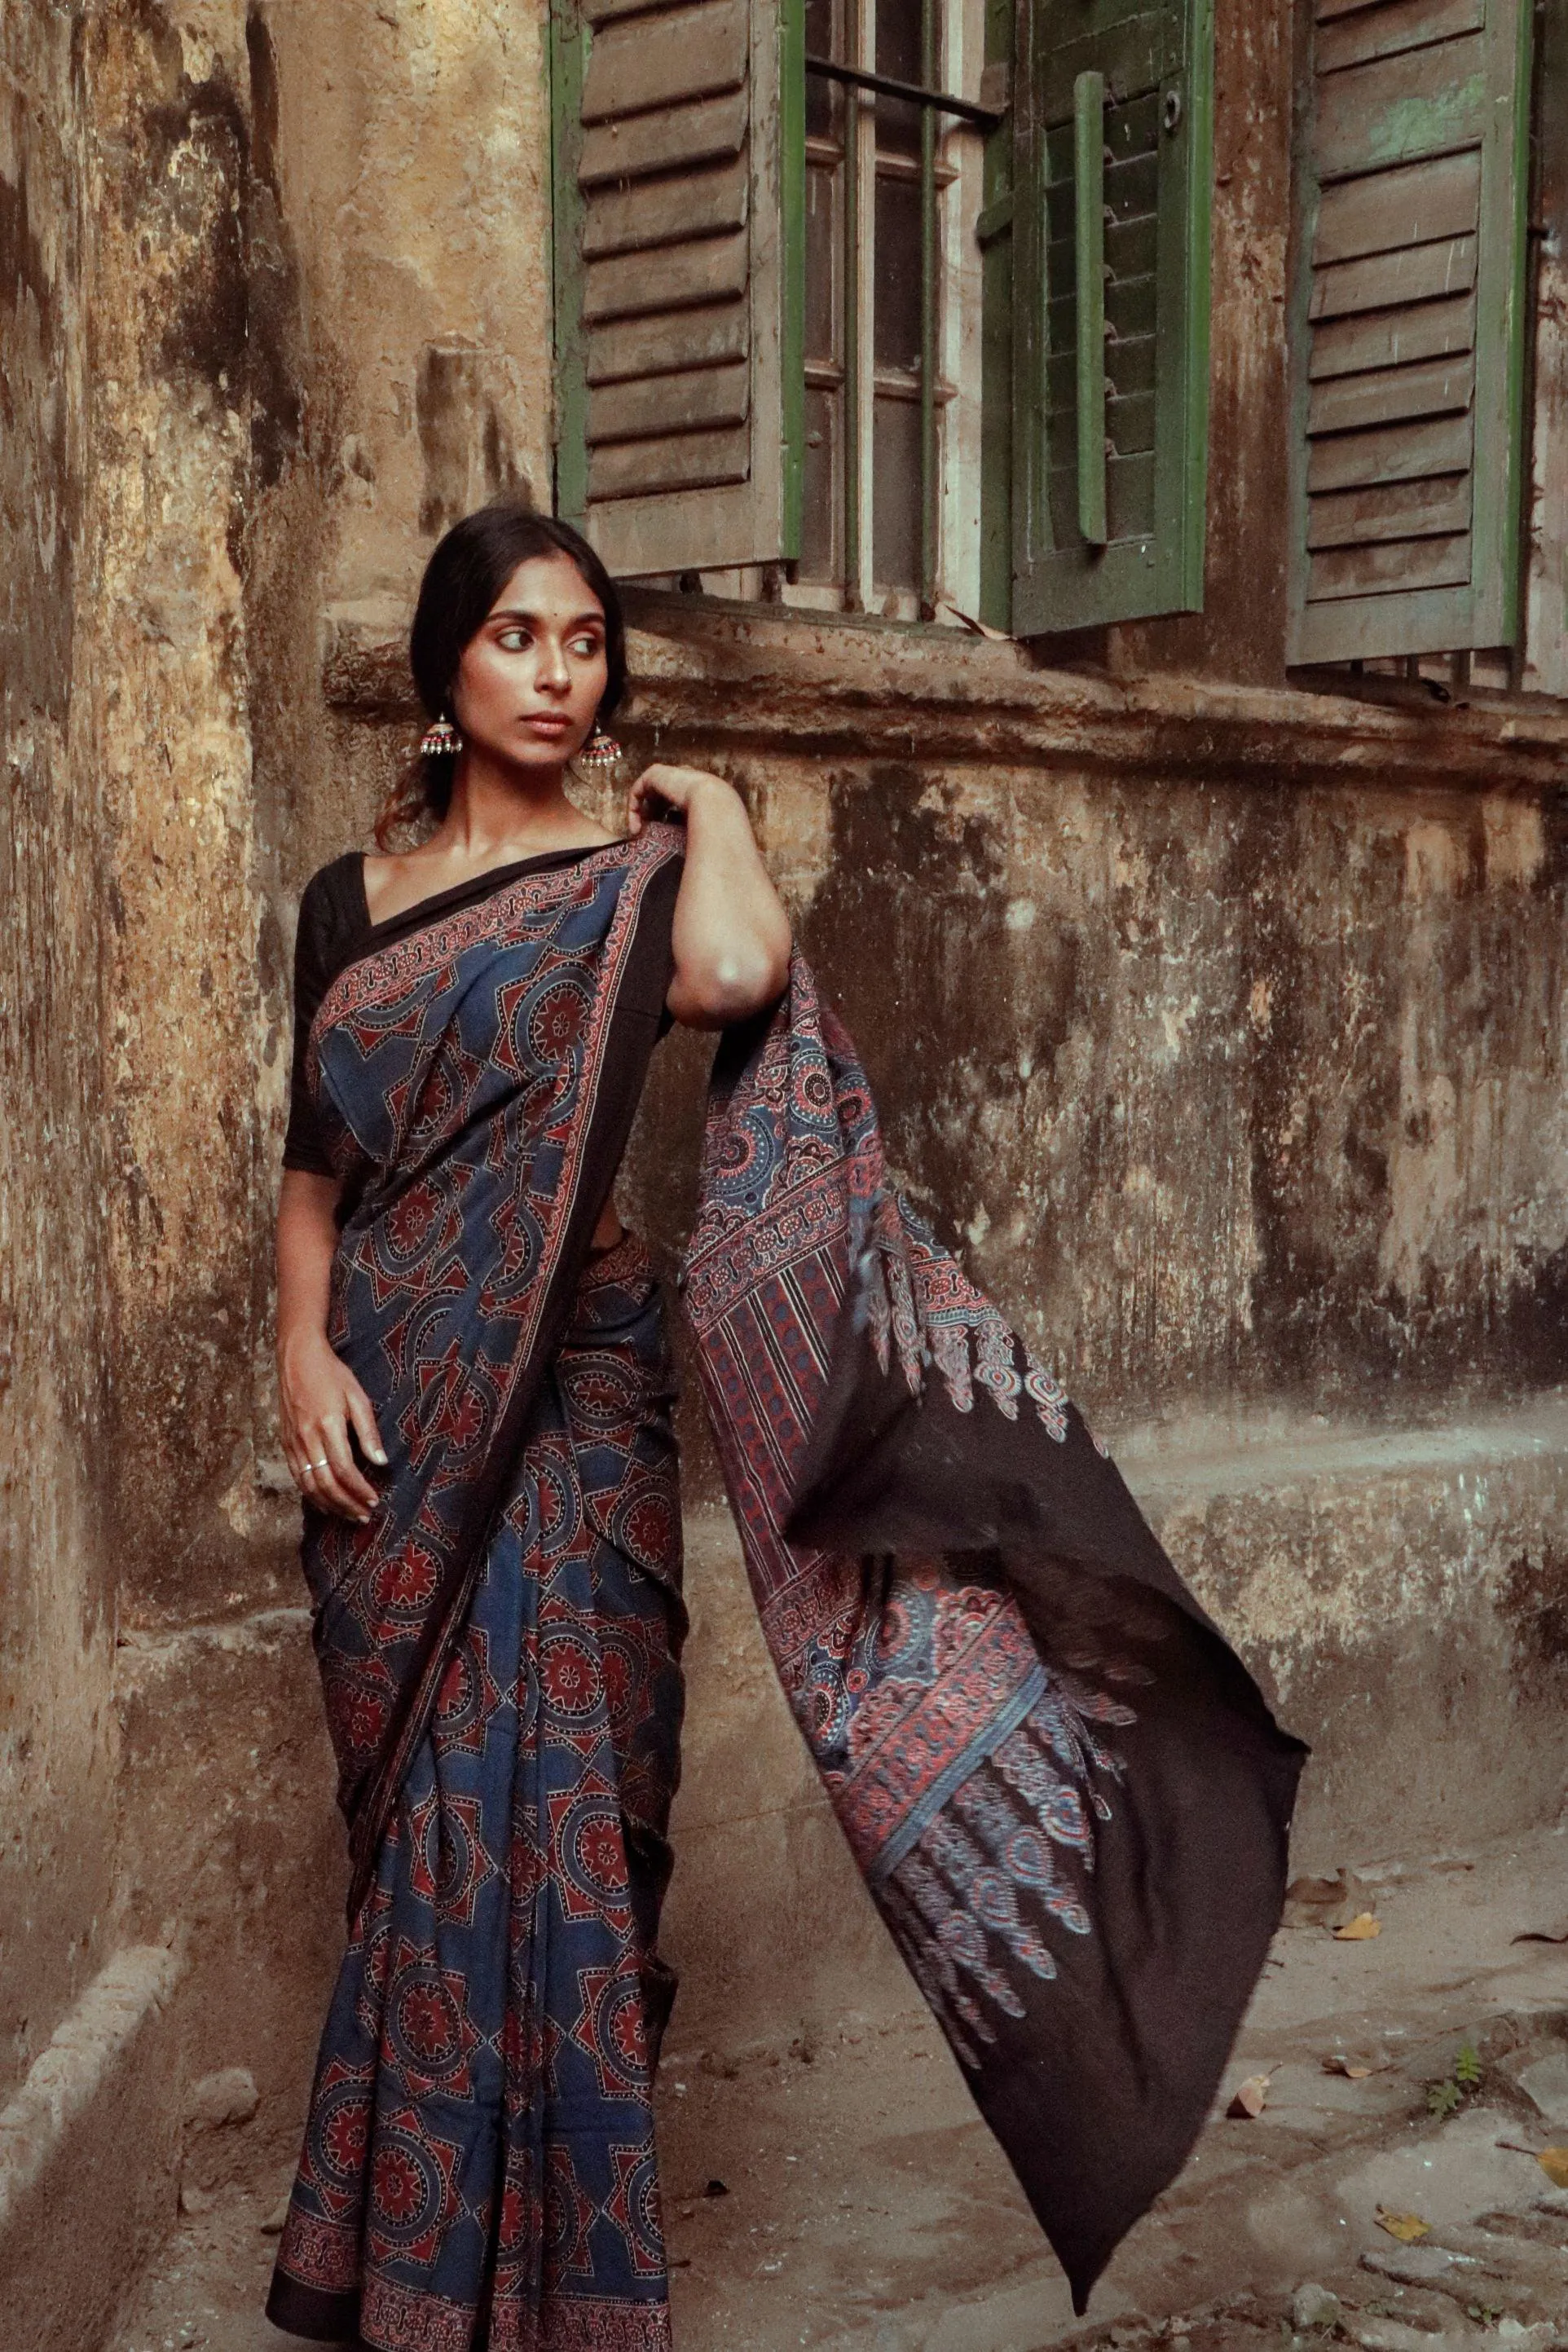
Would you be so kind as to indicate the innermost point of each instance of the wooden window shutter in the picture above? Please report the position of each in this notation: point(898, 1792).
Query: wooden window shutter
point(680, 224)
point(1409, 343)
point(1113, 131)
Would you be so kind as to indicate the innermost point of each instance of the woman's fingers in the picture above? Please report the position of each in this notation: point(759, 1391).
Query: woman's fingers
point(321, 1486)
point(316, 1443)
point(331, 1480)
point(362, 1416)
point(348, 1480)
point(637, 801)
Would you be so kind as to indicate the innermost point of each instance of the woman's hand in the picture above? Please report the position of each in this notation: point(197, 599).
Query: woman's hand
point(321, 1401)
point(731, 936)
point(663, 787)
point(320, 1397)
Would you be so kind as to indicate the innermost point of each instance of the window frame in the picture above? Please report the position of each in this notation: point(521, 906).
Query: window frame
point(1450, 624)
point(1059, 588)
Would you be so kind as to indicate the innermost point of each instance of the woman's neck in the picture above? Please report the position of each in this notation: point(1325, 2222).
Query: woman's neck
point(498, 811)
point(497, 817)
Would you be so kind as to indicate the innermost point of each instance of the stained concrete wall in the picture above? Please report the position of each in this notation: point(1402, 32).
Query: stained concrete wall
point(57, 1596)
point(1223, 1024)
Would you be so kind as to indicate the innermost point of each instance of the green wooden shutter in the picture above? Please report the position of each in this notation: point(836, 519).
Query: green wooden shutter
point(678, 242)
point(1409, 343)
point(1113, 133)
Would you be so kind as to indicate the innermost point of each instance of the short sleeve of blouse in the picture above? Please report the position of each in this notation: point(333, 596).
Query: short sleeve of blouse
point(331, 918)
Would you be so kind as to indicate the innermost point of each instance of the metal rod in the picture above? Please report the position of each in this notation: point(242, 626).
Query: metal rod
point(856, 78)
point(1088, 253)
point(928, 319)
point(851, 395)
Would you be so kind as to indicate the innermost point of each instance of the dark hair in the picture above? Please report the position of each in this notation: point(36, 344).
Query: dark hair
point(466, 572)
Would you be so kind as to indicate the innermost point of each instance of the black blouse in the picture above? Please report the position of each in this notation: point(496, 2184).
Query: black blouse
point(335, 929)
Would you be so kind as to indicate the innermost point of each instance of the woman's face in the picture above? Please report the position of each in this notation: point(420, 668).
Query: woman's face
point(529, 685)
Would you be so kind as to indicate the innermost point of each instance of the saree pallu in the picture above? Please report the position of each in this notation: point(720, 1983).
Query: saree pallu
point(500, 1646)
point(1066, 1793)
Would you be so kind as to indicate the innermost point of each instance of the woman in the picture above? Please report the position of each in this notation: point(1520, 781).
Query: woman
point(1067, 1796)
point(475, 1393)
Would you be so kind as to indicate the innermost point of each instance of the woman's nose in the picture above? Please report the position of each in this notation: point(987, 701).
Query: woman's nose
point(553, 673)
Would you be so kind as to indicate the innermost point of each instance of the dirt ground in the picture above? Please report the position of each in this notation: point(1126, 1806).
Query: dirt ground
point(843, 2194)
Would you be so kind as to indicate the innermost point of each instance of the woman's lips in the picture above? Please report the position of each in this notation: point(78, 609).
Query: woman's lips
point(547, 723)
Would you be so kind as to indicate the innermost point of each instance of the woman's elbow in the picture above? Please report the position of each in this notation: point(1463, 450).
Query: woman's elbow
point(733, 986)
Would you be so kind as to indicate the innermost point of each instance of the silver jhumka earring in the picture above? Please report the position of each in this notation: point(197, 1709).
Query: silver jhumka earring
point(440, 740)
point(600, 754)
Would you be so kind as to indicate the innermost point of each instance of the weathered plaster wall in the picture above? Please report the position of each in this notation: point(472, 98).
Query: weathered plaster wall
point(56, 1598)
point(400, 192)
point(1224, 1026)
point(171, 365)
point(268, 322)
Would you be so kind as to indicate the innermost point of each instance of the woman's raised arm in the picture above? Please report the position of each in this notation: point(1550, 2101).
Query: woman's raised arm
point(731, 936)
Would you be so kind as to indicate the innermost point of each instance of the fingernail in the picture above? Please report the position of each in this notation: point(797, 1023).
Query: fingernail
point(376, 1455)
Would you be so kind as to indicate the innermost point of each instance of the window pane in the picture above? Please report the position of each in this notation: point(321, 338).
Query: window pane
point(819, 556)
point(896, 493)
point(824, 249)
point(899, 57)
point(823, 38)
point(898, 340)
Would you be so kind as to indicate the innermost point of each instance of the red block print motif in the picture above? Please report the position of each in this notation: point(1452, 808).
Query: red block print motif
point(413, 2190)
point(588, 1852)
point(634, 2208)
point(428, 2038)
point(610, 2030)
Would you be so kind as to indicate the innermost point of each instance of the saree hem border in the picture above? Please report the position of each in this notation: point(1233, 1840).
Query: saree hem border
point(311, 2312)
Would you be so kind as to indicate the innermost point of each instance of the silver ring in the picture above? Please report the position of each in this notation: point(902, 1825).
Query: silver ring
point(317, 1465)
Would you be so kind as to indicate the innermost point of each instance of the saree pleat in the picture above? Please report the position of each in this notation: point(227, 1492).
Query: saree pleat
point(479, 2160)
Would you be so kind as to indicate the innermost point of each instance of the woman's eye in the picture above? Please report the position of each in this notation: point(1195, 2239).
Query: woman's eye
point(513, 641)
point(587, 646)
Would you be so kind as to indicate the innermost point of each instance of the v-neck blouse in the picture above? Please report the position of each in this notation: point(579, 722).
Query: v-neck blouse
point(335, 929)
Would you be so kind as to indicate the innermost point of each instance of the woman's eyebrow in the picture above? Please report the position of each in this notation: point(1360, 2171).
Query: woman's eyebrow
point(515, 613)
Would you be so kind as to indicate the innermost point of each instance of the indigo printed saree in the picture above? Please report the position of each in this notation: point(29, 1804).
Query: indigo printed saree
point(1066, 1794)
point(500, 1646)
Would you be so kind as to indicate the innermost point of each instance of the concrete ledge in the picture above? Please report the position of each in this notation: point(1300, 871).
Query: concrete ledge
point(1177, 1461)
point(1404, 1596)
point(813, 682)
point(87, 2149)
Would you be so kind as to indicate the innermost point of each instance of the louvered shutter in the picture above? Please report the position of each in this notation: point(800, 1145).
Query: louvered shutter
point(679, 248)
point(1410, 329)
point(1113, 131)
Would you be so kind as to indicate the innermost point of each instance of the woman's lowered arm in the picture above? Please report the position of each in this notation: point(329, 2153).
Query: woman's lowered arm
point(731, 936)
point(318, 1395)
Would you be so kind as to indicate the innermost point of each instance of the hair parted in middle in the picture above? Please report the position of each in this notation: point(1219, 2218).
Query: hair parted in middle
point(467, 569)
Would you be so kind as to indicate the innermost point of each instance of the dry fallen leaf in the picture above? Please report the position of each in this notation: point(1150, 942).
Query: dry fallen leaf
point(1553, 2162)
point(1359, 1930)
point(1347, 2066)
point(1407, 2227)
point(1250, 2097)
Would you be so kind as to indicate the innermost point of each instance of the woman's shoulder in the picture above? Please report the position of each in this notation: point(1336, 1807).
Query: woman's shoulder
point(332, 908)
point(340, 882)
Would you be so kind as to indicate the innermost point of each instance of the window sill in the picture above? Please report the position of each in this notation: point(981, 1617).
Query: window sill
point(851, 685)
